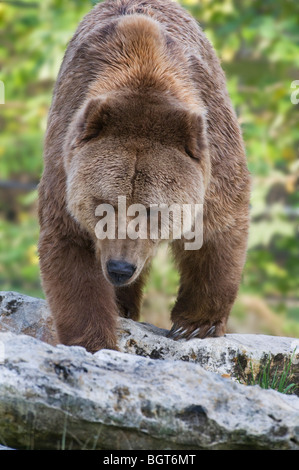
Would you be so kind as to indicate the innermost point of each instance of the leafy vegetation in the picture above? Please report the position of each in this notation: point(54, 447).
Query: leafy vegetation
point(258, 43)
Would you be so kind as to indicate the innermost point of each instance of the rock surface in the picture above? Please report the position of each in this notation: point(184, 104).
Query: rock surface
point(28, 315)
point(154, 394)
point(64, 397)
point(235, 356)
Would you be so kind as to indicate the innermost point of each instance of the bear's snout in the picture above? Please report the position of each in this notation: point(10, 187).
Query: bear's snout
point(120, 271)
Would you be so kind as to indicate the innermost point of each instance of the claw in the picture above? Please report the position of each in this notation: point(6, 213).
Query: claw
point(209, 332)
point(170, 333)
point(174, 332)
point(183, 333)
point(177, 333)
point(194, 333)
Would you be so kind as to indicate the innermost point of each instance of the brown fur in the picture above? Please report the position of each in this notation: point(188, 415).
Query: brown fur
point(140, 109)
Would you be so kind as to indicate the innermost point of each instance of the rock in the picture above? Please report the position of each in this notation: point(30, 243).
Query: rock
point(234, 355)
point(155, 393)
point(64, 397)
point(23, 314)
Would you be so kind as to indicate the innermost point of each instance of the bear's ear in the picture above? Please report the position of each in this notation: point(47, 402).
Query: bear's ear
point(195, 141)
point(90, 122)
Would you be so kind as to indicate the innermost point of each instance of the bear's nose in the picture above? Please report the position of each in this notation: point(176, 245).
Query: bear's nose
point(120, 271)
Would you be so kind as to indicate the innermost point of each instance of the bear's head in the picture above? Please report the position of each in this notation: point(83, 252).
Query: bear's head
point(128, 156)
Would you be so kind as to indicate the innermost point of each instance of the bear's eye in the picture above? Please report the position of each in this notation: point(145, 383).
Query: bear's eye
point(190, 154)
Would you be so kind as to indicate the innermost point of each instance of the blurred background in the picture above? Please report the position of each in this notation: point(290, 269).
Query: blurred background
point(258, 44)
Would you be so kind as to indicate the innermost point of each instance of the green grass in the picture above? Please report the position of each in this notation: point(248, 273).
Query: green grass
point(267, 380)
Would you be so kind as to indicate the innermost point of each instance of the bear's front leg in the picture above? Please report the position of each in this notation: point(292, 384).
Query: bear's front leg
point(210, 279)
point(129, 298)
point(80, 299)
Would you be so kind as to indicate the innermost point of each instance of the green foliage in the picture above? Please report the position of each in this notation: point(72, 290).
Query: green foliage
point(33, 36)
point(266, 378)
point(258, 44)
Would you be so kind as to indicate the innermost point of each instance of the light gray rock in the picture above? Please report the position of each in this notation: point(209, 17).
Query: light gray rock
point(27, 315)
point(63, 397)
point(155, 393)
point(235, 356)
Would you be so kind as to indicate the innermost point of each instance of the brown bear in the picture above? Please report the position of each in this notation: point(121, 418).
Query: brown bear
point(140, 110)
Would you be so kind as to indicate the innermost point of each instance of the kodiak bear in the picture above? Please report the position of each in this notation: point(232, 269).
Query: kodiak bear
point(140, 110)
